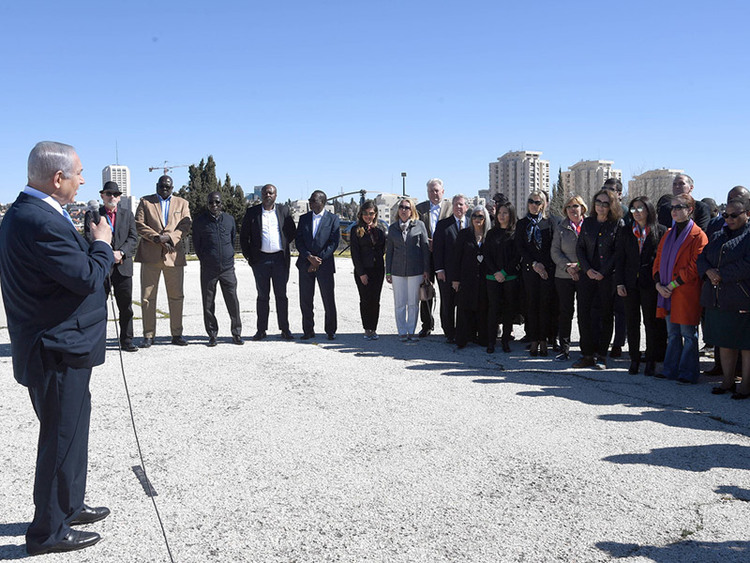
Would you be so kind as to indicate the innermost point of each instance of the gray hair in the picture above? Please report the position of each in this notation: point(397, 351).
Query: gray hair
point(47, 158)
point(688, 178)
point(457, 197)
point(486, 225)
point(433, 181)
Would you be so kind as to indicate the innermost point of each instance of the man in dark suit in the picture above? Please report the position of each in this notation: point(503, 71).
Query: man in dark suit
point(430, 212)
point(317, 239)
point(124, 240)
point(213, 238)
point(53, 291)
point(443, 244)
point(683, 184)
point(266, 233)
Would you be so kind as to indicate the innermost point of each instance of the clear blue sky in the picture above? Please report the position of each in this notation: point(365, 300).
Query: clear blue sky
point(347, 95)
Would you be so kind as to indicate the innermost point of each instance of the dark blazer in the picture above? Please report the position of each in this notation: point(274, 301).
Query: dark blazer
point(443, 244)
point(469, 269)
point(213, 240)
point(529, 252)
point(367, 250)
point(124, 237)
point(323, 245)
point(53, 289)
point(633, 267)
point(701, 214)
point(588, 250)
point(251, 232)
point(731, 256)
point(500, 253)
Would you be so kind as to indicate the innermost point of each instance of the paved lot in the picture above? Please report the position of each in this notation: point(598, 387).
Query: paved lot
point(382, 451)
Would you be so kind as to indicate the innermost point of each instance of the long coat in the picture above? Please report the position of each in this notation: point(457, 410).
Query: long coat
point(685, 305)
point(470, 271)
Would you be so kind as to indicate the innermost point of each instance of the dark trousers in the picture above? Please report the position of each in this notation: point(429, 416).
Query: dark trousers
point(621, 320)
point(307, 295)
point(272, 268)
point(123, 290)
point(447, 308)
point(643, 300)
point(599, 295)
point(538, 305)
point(471, 325)
point(502, 307)
point(566, 295)
point(62, 403)
point(228, 282)
point(425, 307)
point(369, 297)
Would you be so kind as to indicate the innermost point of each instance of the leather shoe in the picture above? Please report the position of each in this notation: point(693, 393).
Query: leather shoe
point(286, 335)
point(147, 342)
point(308, 336)
point(179, 341)
point(260, 335)
point(75, 539)
point(237, 339)
point(424, 332)
point(89, 515)
point(211, 341)
point(129, 347)
point(331, 336)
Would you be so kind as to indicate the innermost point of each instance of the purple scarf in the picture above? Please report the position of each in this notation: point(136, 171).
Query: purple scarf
point(672, 244)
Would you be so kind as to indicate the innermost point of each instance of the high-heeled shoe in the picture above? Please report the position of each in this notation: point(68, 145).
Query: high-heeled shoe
point(719, 390)
point(534, 348)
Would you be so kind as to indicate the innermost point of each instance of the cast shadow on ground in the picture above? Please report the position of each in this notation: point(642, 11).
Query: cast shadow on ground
point(13, 551)
point(690, 458)
point(681, 552)
point(737, 493)
point(5, 350)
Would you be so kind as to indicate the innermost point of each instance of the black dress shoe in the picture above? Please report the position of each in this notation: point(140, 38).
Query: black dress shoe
point(89, 515)
point(286, 335)
point(211, 341)
point(308, 336)
point(719, 390)
point(237, 339)
point(491, 349)
point(615, 352)
point(634, 367)
point(260, 335)
point(179, 341)
point(650, 369)
point(330, 336)
point(147, 342)
point(740, 396)
point(506, 347)
point(129, 347)
point(75, 539)
point(424, 332)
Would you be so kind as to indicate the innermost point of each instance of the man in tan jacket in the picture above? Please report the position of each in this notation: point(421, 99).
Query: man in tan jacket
point(162, 220)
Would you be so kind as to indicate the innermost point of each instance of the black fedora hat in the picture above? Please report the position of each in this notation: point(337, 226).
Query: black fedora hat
point(111, 187)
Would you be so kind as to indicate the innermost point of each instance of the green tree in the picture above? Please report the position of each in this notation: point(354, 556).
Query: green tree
point(558, 196)
point(202, 181)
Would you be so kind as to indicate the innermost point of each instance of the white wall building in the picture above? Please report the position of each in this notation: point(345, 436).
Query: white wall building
point(518, 173)
point(653, 184)
point(120, 174)
point(586, 177)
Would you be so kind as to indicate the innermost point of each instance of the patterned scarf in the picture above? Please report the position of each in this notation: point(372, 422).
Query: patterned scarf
point(672, 244)
point(576, 228)
point(640, 235)
point(533, 232)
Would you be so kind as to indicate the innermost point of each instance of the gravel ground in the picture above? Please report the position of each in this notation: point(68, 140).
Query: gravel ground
point(382, 451)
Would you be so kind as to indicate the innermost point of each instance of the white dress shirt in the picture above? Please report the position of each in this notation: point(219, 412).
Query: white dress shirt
point(270, 240)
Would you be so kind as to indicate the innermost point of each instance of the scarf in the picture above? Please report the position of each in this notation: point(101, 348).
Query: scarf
point(640, 235)
point(672, 244)
point(405, 229)
point(533, 232)
point(576, 228)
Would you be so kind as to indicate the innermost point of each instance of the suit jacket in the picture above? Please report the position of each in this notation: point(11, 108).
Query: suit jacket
point(701, 214)
point(251, 232)
point(149, 222)
point(633, 265)
point(323, 245)
point(53, 289)
point(124, 237)
point(443, 243)
point(446, 210)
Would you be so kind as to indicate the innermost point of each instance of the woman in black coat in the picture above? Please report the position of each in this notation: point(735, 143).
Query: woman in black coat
point(533, 241)
point(368, 248)
point(634, 258)
point(503, 266)
point(469, 284)
point(595, 249)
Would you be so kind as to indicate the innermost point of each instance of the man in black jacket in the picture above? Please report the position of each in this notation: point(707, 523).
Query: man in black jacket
point(267, 231)
point(213, 239)
point(124, 240)
point(683, 184)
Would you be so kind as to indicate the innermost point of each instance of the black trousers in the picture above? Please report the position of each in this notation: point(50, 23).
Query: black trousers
point(447, 308)
point(228, 282)
point(643, 300)
point(62, 403)
point(538, 305)
point(595, 336)
point(566, 295)
point(502, 308)
point(369, 297)
point(307, 296)
point(425, 307)
point(123, 290)
point(272, 268)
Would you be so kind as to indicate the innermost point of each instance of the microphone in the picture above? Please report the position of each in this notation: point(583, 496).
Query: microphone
point(93, 207)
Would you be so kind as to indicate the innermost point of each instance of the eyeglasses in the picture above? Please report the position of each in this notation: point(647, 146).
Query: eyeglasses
point(535, 202)
point(680, 206)
point(635, 210)
point(602, 203)
point(477, 216)
point(406, 207)
point(573, 206)
point(732, 215)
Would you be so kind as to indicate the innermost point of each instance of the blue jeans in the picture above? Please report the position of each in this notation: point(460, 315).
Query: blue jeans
point(681, 359)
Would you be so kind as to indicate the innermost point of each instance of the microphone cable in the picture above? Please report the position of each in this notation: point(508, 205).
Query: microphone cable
point(151, 493)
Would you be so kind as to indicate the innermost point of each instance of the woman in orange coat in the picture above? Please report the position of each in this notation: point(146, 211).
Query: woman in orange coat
point(676, 276)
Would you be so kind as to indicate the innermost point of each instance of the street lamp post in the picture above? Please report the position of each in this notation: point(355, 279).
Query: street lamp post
point(403, 183)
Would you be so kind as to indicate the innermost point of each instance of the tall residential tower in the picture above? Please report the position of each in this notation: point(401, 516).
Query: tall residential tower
point(518, 173)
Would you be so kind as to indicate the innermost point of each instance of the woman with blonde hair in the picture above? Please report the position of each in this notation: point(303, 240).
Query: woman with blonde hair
point(368, 248)
point(407, 263)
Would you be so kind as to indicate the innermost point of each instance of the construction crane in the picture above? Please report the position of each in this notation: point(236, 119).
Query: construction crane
point(167, 168)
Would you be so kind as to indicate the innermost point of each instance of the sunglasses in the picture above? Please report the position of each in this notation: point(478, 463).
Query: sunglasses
point(637, 209)
point(732, 215)
point(680, 206)
point(602, 203)
point(535, 202)
point(573, 206)
point(475, 216)
point(406, 207)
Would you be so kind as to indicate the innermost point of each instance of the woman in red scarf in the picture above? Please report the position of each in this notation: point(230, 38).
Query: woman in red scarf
point(679, 287)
